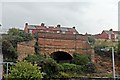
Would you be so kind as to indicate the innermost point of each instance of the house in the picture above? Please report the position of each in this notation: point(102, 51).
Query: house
point(51, 29)
point(108, 35)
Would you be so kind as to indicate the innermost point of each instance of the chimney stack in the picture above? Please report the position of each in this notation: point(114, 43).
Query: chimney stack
point(111, 30)
point(26, 28)
point(26, 24)
point(74, 27)
point(58, 25)
point(42, 24)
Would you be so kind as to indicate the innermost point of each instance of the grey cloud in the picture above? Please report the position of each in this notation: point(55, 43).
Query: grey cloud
point(86, 16)
point(15, 14)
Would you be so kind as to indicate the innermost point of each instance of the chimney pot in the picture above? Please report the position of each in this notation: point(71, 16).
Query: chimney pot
point(42, 24)
point(74, 27)
point(58, 25)
point(111, 30)
point(26, 24)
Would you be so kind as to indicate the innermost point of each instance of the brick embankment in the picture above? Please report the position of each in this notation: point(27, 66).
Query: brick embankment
point(24, 49)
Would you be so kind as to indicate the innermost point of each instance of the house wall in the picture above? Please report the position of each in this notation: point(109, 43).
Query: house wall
point(107, 36)
point(104, 35)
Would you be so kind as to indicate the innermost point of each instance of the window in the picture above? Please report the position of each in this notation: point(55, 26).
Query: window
point(58, 31)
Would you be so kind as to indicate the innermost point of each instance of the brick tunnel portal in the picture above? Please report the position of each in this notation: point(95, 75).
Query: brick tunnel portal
point(61, 56)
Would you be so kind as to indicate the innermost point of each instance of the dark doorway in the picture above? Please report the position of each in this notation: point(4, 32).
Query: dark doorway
point(61, 56)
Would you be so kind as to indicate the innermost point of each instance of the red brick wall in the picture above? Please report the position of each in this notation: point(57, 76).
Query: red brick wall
point(50, 43)
point(24, 49)
point(70, 46)
point(104, 35)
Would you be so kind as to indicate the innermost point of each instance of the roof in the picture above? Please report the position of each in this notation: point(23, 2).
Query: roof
point(53, 28)
point(115, 32)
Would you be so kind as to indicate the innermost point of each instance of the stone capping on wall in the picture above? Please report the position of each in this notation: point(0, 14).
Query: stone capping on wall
point(47, 35)
point(64, 48)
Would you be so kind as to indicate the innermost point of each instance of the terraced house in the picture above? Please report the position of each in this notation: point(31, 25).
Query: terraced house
point(109, 35)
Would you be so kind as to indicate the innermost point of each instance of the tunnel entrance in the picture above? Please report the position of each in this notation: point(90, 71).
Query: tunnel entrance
point(61, 56)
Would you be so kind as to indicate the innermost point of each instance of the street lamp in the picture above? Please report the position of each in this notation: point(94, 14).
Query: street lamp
point(113, 60)
point(7, 67)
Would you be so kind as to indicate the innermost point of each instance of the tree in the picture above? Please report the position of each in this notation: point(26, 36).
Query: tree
point(9, 43)
point(13, 31)
point(25, 70)
point(17, 35)
point(9, 52)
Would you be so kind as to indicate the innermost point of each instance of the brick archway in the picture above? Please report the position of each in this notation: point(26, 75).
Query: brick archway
point(61, 55)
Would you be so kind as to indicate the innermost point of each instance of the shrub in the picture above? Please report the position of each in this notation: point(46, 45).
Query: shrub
point(71, 68)
point(35, 58)
point(25, 70)
point(81, 59)
point(64, 75)
point(48, 65)
point(89, 68)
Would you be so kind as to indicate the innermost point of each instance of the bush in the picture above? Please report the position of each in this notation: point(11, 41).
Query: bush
point(25, 70)
point(63, 75)
point(89, 68)
point(48, 65)
point(102, 51)
point(71, 68)
point(81, 59)
point(35, 58)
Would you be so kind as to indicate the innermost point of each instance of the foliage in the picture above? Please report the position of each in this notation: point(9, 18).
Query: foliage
point(16, 35)
point(91, 40)
point(86, 66)
point(48, 65)
point(9, 52)
point(25, 70)
point(35, 58)
point(73, 68)
point(101, 50)
point(62, 70)
point(110, 75)
point(118, 51)
point(37, 48)
point(105, 51)
point(13, 31)
point(9, 43)
point(106, 43)
point(36, 36)
point(63, 75)
point(19, 34)
point(81, 59)
point(89, 68)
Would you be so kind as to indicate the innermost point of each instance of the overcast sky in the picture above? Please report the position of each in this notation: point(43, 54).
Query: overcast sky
point(91, 16)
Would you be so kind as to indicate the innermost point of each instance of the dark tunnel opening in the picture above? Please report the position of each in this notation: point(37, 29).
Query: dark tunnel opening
point(61, 56)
